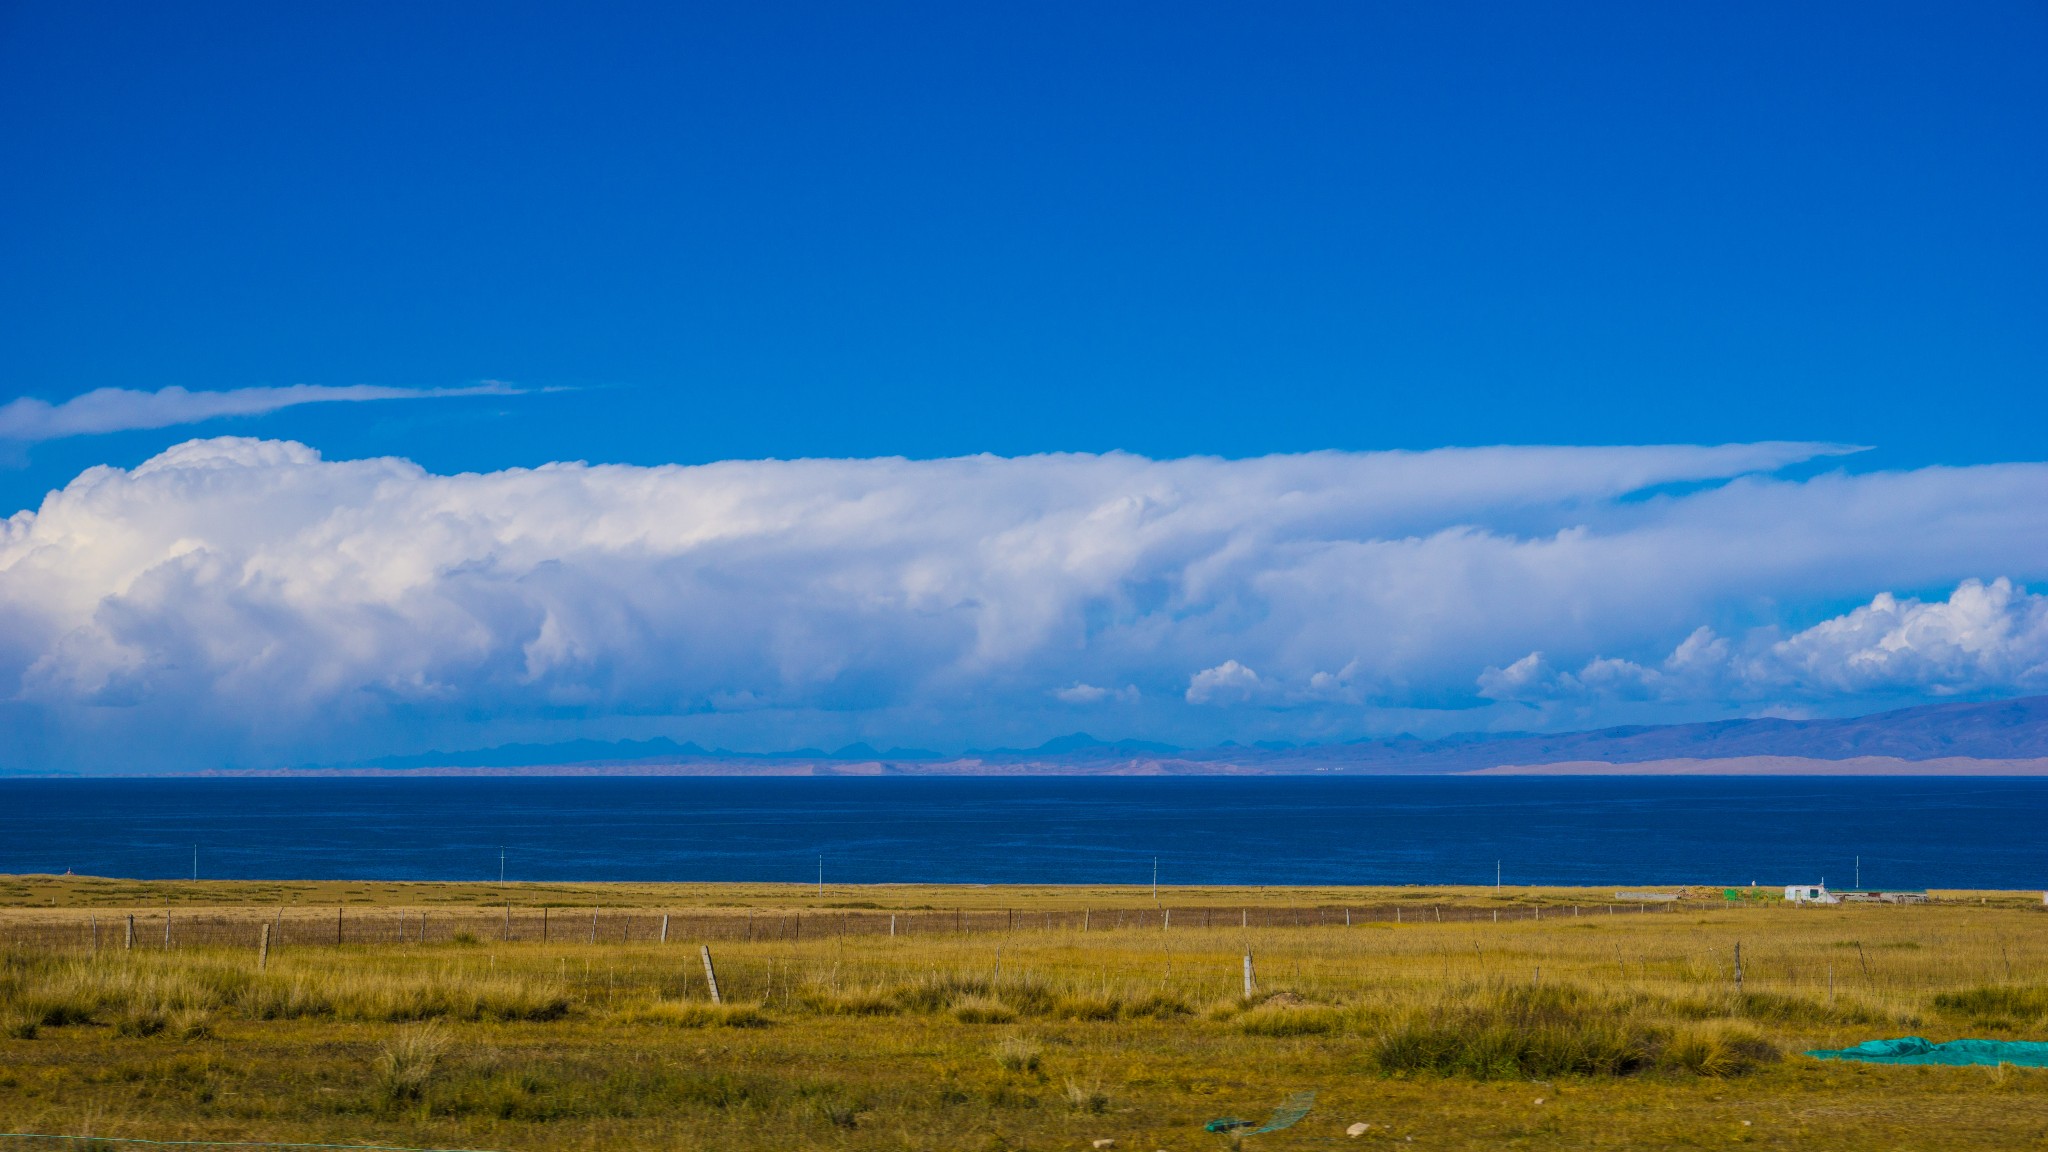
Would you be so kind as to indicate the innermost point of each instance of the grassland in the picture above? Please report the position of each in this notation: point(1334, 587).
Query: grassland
point(1593, 1030)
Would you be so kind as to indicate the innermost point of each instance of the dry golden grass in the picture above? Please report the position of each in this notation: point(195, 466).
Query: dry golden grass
point(1588, 1031)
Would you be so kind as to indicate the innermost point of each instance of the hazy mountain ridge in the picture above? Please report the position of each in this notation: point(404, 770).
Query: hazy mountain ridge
point(1995, 731)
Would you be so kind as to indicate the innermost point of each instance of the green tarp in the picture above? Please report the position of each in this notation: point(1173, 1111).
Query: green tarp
point(1914, 1050)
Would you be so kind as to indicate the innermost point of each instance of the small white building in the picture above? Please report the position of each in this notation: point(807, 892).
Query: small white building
point(1810, 894)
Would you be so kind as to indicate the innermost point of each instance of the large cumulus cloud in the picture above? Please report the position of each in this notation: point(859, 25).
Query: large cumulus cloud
point(246, 600)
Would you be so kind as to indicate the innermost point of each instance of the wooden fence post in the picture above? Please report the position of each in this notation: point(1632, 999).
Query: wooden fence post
point(1738, 967)
point(95, 933)
point(593, 925)
point(543, 924)
point(129, 940)
point(167, 928)
point(710, 973)
point(263, 950)
point(337, 925)
point(892, 925)
point(664, 927)
point(1247, 974)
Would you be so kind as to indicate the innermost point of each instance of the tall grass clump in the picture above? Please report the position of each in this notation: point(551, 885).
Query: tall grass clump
point(1289, 1020)
point(1536, 1031)
point(2001, 1006)
point(692, 1014)
point(406, 1064)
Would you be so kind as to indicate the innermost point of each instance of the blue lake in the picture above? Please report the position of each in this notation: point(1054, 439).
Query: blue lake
point(1909, 832)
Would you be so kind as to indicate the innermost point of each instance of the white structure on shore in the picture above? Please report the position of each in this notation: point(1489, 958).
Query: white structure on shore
point(1810, 894)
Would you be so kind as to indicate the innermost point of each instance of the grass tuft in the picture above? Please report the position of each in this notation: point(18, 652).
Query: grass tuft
point(983, 1010)
point(1017, 1054)
point(406, 1064)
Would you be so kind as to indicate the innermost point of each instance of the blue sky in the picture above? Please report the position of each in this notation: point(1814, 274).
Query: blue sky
point(690, 234)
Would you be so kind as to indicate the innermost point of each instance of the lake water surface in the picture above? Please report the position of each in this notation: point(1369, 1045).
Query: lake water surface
point(1909, 832)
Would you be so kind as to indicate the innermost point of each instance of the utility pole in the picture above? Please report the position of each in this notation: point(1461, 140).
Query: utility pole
point(821, 875)
point(1496, 875)
point(1859, 872)
point(1155, 879)
point(501, 863)
point(195, 861)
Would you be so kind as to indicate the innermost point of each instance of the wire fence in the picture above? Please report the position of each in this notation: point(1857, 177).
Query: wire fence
point(53, 1140)
point(341, 926)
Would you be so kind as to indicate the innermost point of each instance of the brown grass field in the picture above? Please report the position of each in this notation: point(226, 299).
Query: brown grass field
point(993, 1020)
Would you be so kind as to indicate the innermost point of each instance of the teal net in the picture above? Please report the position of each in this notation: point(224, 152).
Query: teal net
point(1287, 1115)
point(1914, 1050)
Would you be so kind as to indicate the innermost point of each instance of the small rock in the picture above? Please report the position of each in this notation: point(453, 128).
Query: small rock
point(1105, 1143)
point(1358, 1129)
point(1539, 1099)
point(1745, 1123)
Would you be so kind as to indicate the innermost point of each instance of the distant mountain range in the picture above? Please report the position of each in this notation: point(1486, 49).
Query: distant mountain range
point(2009, 735)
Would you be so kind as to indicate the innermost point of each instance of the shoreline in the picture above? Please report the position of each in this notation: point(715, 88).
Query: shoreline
point(1961, 767)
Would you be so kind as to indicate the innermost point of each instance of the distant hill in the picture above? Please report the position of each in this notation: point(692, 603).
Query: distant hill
point(2008, 730)
point(2002, 730)
point(614, 751)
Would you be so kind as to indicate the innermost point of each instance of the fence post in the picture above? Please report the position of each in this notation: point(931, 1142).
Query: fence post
point(129, 940)
point(593, 925)
point(1738, 967)
point(167, 928)
point(263, 950)
point(892, 925)
point(1166, 920)
point(710, 973)
point(94, 917)
point(664, 927)
point(1247, 974)
point(508, 922)
point(543, 923)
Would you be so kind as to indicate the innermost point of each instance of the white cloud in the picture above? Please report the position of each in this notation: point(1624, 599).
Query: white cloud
point(1091, 694)
point(1983, 638)
point(1226, 683)
point(244, 599)
point(29, 420)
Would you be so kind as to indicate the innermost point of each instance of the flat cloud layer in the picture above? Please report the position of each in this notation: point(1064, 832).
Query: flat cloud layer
point(244, 601)
point(28, 420)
